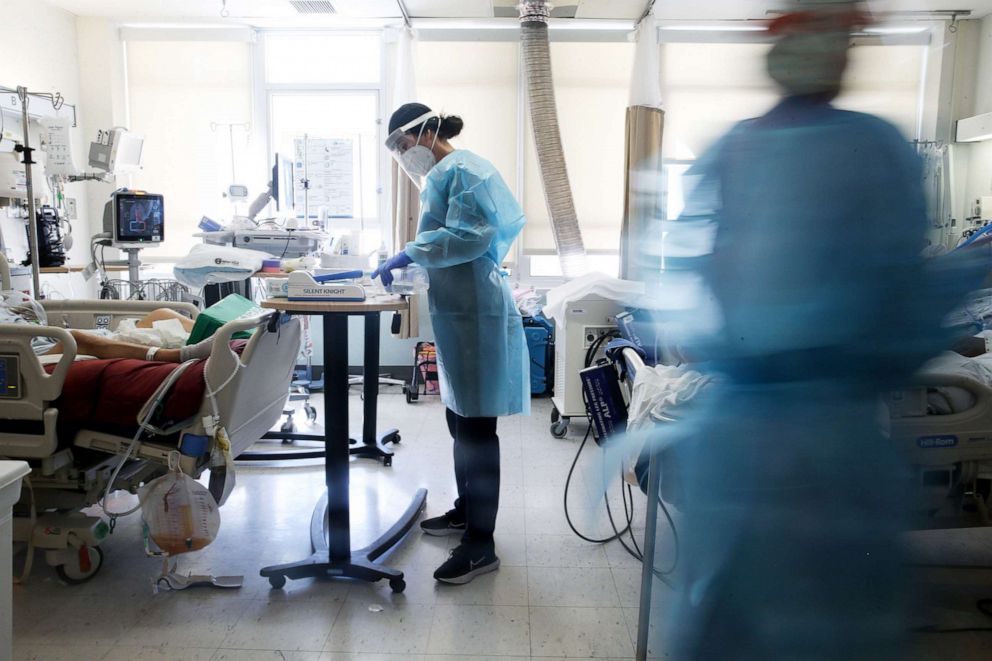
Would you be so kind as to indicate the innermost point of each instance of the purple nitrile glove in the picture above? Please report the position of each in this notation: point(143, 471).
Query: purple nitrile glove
point(384, 272)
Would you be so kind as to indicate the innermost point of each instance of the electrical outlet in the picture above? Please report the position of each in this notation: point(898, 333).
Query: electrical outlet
point(70, 208)
point(592, 333)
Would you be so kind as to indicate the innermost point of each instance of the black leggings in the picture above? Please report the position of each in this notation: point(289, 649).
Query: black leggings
point(477, 475)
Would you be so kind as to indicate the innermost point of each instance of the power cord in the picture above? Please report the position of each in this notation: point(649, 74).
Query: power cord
point(626, 491)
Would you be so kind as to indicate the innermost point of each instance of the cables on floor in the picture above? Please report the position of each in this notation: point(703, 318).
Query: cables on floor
point(627, 495)
point(626, 492)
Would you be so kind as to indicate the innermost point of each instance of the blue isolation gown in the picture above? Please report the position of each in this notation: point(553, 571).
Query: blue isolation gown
point(468, 221)
point(793, 499)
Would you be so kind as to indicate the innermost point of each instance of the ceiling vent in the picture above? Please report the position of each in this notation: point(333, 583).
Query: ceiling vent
point(508, 11)
point(313, 6)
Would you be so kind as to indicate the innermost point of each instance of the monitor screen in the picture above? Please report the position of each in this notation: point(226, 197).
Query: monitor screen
point(282, 183)
point(139, 218)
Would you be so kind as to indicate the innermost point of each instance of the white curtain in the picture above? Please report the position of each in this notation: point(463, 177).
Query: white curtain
point(406, 199)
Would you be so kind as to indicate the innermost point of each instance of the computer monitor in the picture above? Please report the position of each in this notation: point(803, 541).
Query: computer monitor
point(283, 184)
point(137, 219)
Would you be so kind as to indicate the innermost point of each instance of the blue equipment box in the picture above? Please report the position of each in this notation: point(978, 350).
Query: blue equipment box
point(540, 344)
point(638, 329)
point(604, 400)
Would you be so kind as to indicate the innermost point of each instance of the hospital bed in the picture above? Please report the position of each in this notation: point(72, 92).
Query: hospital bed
point(72, 461)
point(943, 423)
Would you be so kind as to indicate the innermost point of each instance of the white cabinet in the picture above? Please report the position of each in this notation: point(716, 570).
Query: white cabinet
point(11, 473)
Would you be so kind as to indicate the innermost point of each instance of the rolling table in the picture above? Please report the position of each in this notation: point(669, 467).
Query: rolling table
point(330, 527)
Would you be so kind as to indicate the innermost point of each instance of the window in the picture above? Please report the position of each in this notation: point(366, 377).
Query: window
point(182, 96)
point(328, 85)
point(348, 115)
point(886, 81)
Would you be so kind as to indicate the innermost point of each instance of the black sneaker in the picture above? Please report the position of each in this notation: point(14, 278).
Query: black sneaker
point(446, 524)
point(465, 564)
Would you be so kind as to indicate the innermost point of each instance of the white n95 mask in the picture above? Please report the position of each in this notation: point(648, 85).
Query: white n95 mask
point(418, 161)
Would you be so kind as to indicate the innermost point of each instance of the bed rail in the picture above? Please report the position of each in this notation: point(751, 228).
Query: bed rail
point(98, 313)
point(941, 440)
point(38, 390)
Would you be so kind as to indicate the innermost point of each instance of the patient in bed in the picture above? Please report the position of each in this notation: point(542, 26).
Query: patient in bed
point(17, 308)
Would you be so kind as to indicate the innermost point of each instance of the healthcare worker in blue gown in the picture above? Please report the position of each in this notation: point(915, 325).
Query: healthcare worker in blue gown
point(793, 500)
point(468, 221)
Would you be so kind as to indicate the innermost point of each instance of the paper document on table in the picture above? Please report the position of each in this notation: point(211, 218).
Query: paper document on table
point(327, 163)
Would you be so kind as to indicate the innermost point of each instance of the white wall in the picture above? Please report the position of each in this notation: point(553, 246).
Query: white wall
point(38, 51)
point(101, 99)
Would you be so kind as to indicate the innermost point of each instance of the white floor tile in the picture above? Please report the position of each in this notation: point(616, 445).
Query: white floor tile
point(563, 551)
point(139, 653)
point(65, 652)
point(82, 621)
point(572, 586)
point(511, 521)
point(347, 656)
point(177, 620)
point(464, 630)
point(511, 549)
point(293, 626)
point(395, 629)
point(264, 655)
point(590, 632)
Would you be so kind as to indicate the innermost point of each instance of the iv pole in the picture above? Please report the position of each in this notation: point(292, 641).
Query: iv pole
point(22, 94)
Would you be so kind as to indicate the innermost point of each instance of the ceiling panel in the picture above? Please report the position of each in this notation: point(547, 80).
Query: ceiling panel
point(628, 9)
point(245, 11)
point(450, 8)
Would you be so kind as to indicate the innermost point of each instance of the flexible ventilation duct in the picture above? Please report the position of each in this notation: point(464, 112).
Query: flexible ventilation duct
point(534, 17)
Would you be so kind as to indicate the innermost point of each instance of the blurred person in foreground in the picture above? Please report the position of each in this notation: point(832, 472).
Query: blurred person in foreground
point(794, 500)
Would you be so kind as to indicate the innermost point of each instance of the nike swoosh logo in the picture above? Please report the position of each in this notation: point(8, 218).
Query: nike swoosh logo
point(472, 564)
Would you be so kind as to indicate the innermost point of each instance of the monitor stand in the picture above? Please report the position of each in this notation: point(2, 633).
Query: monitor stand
point(133, 265)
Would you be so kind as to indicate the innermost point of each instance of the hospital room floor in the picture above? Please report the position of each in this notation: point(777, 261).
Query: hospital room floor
point(554, 596)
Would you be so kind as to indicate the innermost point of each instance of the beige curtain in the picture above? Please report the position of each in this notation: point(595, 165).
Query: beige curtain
point(406, 215)
point(645, 128)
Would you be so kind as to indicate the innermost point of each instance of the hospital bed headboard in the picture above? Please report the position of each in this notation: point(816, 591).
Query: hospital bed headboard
point(105, 313)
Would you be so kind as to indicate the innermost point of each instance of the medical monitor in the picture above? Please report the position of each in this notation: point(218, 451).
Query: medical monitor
point(283, 184)
point(138, 219)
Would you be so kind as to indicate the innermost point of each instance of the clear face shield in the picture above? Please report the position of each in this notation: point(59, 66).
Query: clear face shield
point(415, 159)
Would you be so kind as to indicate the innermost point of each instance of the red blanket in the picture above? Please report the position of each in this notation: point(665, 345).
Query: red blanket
point(110, 393)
